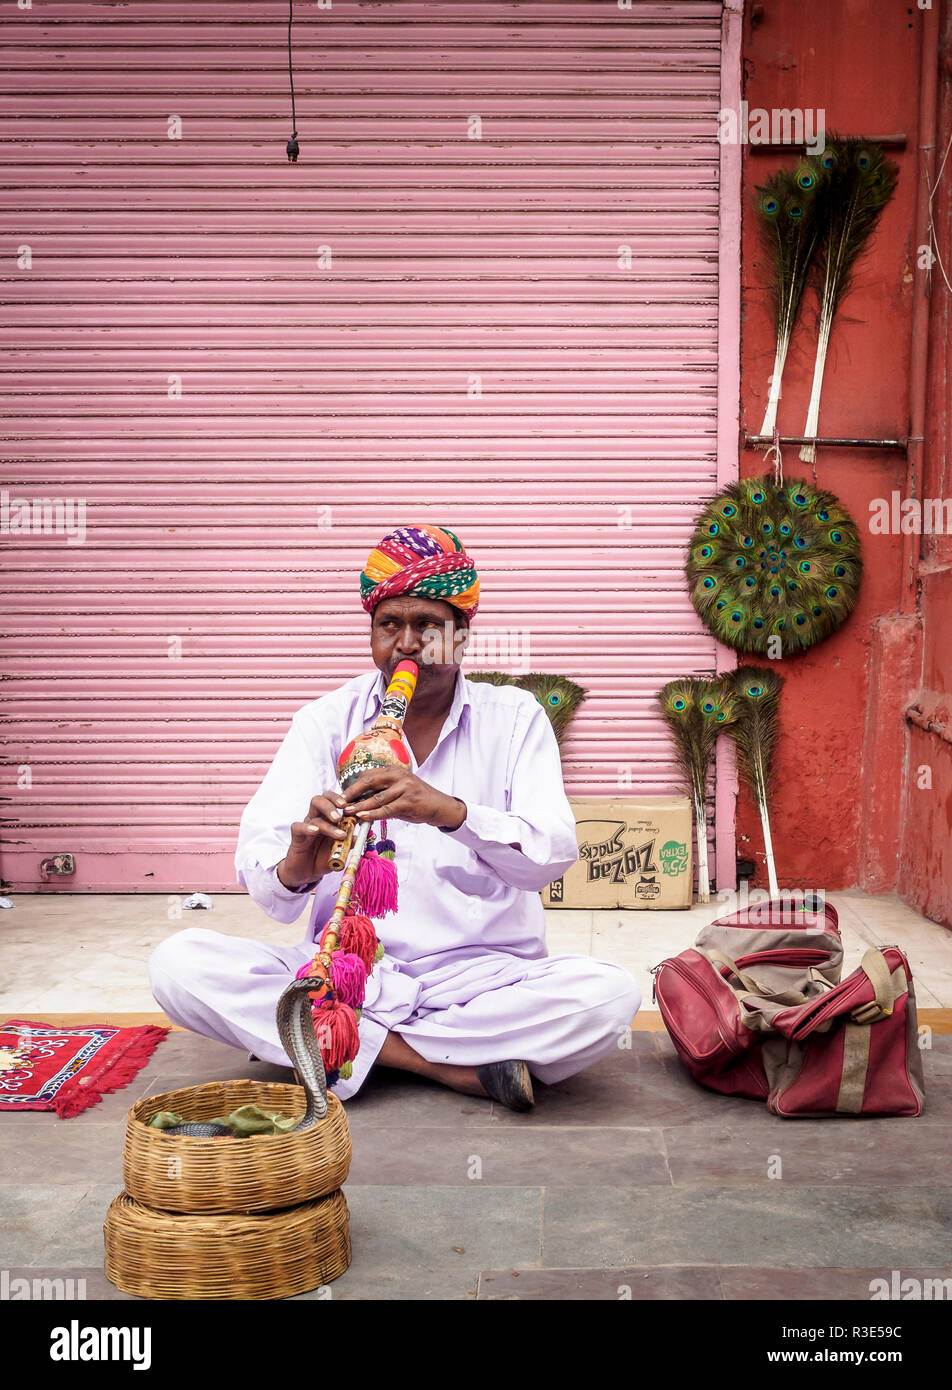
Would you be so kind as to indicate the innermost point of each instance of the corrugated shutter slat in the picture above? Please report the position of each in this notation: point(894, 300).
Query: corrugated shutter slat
point(321, 406)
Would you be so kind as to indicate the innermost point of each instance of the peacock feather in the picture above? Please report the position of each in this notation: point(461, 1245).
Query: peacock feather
point(858, 183)
point(790, 208)
point(696, 711)
point(770, 561)
point(756, 691)
point(558, 696)
point(491, 677)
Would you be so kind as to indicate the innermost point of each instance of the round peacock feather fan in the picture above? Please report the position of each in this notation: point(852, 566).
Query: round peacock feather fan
point(774, 561)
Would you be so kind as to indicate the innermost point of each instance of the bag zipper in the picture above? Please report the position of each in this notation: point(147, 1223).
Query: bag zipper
point(793, 955)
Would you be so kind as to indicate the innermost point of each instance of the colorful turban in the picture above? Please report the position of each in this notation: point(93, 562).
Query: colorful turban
point(422, 562)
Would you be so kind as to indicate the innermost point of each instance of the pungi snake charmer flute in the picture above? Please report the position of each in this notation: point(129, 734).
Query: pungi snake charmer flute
point(381, 746)
point(348, 947)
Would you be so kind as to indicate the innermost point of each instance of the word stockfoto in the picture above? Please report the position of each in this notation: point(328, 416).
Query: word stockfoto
point(43, 516)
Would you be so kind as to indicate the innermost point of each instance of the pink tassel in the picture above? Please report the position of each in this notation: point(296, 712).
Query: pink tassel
point(349, 976)
point(376, 885)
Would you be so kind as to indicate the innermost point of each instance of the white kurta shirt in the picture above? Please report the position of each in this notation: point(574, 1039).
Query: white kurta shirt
point(461, 892)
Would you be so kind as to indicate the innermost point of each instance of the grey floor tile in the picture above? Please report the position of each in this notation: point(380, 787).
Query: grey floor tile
point(444, 1285)
point(401, 1233)
point(61, 1152)
point(390, 1097)
point(79, 1239)
point(509, 1157)
point(937, 1059)
point(640, 1088)
point(182, 1043)
point(739, 1226)
point(201, 1076)
point(605, 1285)
point(833, 1285)
point(810, 1153)
point(32, 1216)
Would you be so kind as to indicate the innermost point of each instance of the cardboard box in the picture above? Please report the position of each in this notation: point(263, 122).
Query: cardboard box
point(633, 852)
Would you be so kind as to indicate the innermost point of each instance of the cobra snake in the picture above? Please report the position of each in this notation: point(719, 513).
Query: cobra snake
point(299, 1040)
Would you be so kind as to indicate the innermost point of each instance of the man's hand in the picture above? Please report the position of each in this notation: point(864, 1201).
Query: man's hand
point(312, 840)
point(396, 792)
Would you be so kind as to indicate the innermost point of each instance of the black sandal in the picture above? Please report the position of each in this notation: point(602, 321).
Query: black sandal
point(508, 1082)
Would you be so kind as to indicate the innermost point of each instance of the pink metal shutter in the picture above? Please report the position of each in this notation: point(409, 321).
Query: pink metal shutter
point(514, 335)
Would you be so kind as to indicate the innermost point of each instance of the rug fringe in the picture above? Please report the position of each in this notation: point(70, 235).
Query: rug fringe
point(88, 1090)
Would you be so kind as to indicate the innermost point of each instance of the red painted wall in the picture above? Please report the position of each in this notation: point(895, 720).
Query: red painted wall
point(925, 865)
point(842, 787)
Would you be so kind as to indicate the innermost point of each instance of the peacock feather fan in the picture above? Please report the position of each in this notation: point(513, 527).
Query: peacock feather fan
point(558, 696)
point(790, 207)
point(859, 181)
point(774, 568)
point(756, 692)
point(696, 711)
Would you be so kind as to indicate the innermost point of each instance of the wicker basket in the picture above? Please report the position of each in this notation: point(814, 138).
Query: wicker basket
point(260, 1173)
point(168, 1255)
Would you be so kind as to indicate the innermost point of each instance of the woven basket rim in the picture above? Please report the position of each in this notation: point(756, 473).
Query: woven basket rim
point(138, 1115)
point(156, 1217)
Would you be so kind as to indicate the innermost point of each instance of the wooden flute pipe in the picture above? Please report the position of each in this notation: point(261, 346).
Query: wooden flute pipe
point(332, 931)
point(343, 847)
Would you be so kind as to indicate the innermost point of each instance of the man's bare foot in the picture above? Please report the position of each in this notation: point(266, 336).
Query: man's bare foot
point(397, 1052)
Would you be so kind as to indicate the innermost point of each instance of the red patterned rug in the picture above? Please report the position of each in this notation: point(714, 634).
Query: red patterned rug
point(43, 1067)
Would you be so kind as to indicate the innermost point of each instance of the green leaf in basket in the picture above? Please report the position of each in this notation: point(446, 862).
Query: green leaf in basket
point(165, 1119)
point(251, 1119)
point(283, 1124)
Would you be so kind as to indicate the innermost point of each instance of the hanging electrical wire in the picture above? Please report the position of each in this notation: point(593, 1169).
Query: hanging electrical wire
point(293, 148)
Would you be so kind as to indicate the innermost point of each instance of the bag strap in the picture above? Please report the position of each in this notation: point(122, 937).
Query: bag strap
point(856, 1031)
point(752, 986)
point(875, 966)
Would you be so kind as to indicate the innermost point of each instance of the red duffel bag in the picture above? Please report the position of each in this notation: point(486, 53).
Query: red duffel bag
point(717, 999)
point(775, 1024)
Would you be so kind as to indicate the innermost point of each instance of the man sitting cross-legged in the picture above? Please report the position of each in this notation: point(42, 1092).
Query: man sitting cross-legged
point(466, 994)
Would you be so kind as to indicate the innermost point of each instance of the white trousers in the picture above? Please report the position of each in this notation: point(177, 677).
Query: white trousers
point(557, 1013)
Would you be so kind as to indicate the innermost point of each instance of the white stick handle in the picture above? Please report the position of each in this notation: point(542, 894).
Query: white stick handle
point(773, 399)
point(768, 848)
point(703, 881)
point(808, 451)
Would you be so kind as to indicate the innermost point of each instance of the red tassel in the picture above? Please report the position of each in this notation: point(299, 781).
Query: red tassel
point(338, 1038)
point(376, 885)
point(357, 936)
